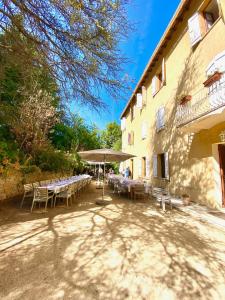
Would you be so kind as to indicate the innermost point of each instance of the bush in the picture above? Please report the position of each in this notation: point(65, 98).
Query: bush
point(50, 160)
point(8, 147)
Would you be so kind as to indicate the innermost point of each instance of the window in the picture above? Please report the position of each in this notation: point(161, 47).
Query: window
point(143, 166)
point(160, 119)
point(161, 165)
point(202, 21)
point(211, 14)
point(159, 80)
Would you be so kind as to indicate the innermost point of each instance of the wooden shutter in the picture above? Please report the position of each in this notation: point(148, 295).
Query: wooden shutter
point(162, 117)
point(194, 28)
point(157, 121)
point(123, 124)
point(139, 100)
point(166, 160)
point(155, 165)
point(154, 85)
point(144, 95)
point(163, 72)
point(132, 137)
point(129, 138)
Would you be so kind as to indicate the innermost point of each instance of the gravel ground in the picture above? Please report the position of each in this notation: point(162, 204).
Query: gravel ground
point(124, 250)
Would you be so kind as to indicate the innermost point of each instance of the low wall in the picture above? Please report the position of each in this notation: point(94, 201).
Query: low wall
point(11, 184)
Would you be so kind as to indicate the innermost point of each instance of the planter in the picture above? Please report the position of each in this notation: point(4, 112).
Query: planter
point(186, 199)
point(185, 99)
point(215, 77)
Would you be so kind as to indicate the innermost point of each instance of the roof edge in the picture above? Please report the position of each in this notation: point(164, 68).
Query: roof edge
point(176, 15)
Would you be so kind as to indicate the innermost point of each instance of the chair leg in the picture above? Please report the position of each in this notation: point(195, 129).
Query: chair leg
point(32, 206)
point(46, 203)
point(67, 204)
point(21, 204)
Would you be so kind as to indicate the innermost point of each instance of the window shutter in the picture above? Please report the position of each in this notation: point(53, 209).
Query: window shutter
point(139, 166)
point(157, 121)
point(139, 100)
point(194, 28)
point(163, 72)
point(144, 95)
point(147, 167)
point(132, 138)
point(166, 159)
point(155, 165)
point(162, 117)
point(154, 85)
point(129, 138)
point(123, 124)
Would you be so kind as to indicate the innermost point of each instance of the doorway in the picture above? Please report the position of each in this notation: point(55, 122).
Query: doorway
point(131, 168)
point(221, 150)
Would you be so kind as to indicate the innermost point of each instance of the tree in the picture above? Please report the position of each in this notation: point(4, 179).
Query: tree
point(76, 42)
point(32, 120)
point(28, 95)
point(111, 136)
point(73, 134)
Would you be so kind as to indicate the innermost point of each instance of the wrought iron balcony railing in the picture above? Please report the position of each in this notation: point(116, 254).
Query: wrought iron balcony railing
point(204, 102)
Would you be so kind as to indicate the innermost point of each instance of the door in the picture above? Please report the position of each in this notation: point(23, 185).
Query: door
point(131, 168)
point(221, 149)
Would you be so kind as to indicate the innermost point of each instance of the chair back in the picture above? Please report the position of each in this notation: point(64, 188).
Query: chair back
point(35, 184)
point(28, 187)
point(139, 187)
point(40, 194)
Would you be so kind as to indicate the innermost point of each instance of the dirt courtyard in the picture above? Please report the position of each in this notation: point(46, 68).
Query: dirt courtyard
point(125, 250)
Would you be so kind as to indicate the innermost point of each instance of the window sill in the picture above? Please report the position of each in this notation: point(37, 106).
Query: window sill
point(164, 84)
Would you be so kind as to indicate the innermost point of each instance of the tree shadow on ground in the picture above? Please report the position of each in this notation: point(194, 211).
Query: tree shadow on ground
point(124, 250)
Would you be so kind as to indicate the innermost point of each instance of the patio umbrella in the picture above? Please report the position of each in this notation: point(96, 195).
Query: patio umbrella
point(104, 155)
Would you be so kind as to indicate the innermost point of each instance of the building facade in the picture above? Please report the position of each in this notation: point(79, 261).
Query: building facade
point(175, 118)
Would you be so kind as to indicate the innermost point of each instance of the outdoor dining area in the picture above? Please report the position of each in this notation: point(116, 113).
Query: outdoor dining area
point(51, 191)
point(139, 189)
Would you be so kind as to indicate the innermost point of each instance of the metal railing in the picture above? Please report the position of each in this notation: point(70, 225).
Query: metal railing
point(204, 102)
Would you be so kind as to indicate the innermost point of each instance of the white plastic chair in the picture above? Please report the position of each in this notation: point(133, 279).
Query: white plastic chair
point(66, 194)
point(42, 195)
point(28, 192)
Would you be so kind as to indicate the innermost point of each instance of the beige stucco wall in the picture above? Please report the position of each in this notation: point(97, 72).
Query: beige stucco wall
point(191, 160)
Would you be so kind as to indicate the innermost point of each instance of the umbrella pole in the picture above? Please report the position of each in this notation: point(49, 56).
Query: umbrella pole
point(103, 190)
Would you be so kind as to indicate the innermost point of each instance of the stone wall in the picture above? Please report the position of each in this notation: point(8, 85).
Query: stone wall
point(11, 183)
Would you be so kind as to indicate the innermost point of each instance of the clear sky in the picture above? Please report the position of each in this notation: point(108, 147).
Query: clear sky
point(152, 18)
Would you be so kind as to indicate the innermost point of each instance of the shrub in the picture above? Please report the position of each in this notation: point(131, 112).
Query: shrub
point(50, 160)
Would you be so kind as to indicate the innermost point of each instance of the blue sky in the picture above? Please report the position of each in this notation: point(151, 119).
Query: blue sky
point(152, 18)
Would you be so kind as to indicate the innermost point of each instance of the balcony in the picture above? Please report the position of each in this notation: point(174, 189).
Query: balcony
point(205, 110)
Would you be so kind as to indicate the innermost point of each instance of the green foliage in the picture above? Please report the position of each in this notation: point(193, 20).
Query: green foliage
point(73, 134)
point(50, 160)
point(111, 136)
point(8, 147)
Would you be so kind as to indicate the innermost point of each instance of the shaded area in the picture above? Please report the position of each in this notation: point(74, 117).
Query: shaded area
point(125, 250)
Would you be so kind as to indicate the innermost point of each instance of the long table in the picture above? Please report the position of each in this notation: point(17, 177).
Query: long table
point(62, 185)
